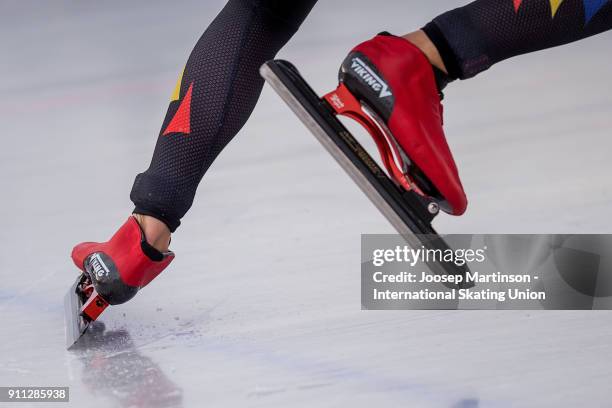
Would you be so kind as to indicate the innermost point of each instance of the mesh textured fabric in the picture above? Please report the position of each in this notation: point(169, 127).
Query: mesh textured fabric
point(474, 37)
point(221, 79)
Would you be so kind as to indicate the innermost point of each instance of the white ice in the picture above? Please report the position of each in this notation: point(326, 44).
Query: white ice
point(262, 305)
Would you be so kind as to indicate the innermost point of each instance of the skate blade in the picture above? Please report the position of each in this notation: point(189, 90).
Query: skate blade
point(75, 324)
point(407, 212)
point(268, 73)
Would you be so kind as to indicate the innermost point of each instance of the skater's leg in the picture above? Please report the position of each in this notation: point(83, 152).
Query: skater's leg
point(472, 38)
point(215, 95)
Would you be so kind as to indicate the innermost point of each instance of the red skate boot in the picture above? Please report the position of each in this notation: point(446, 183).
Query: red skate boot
point(113, 272)
point(388, 85)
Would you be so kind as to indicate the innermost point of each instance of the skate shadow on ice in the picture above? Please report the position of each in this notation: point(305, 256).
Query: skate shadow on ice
point(113, 368)
point(467, 403)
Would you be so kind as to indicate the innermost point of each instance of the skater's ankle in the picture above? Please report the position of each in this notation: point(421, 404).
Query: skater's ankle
point(156, 232)
point(422, 42)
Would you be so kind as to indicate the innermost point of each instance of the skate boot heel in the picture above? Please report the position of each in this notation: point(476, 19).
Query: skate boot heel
point(106, 279)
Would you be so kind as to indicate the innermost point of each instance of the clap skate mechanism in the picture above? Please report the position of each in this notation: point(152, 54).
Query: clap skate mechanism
point(83, 305)
point(402, 194)
point(399, 166)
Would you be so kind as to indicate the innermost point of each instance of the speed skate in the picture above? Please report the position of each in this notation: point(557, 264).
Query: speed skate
point(399, 192)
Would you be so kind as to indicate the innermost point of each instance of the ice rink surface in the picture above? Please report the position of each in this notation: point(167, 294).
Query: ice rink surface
point(261, 308)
